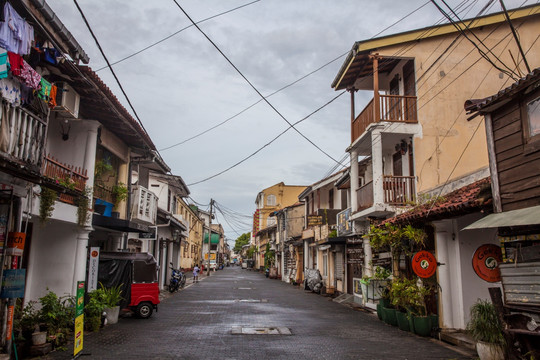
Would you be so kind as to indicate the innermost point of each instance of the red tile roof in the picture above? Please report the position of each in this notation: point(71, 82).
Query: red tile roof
point(468, 199)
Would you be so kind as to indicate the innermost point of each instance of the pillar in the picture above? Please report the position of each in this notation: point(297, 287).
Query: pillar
point(79, 268)
point(354, 180)
point(368, 257)
point(377, 167)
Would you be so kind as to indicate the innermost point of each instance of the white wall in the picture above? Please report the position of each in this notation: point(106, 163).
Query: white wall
point(51, 259)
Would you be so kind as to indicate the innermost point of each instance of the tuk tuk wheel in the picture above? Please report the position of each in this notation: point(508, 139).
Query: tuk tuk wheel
point(144, 310)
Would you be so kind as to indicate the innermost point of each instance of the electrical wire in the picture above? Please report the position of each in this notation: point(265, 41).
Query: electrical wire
point(265, 145)
point(292, 83)
point(175, 33)
point(251, 84)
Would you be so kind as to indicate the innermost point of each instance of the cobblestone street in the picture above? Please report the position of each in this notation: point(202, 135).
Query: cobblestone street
point(208, 320)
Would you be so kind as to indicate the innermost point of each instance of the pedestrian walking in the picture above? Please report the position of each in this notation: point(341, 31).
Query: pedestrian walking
point(196, 273)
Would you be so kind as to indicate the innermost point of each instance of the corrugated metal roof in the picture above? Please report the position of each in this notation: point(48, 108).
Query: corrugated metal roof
point(477, 107)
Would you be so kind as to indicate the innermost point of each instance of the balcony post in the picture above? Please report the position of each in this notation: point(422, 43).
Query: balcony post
point(354, 180)
point(351, 90)
point(376, 98)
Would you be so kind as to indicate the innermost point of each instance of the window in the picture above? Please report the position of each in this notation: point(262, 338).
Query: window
point(331, 199)
point(270, 221)
point(271, 200)
point(325, 263)
point(533, 117)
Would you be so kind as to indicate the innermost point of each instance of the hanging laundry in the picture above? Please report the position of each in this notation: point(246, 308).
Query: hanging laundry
point(30, 76)
point(10, 90)
point(3, 63)
point(16, 34)
point(52, 96)
point(45, 90)
point(27, 95)
point(15, 63)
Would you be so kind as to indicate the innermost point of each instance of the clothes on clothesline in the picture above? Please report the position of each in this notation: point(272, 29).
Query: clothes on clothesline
point(16, 35)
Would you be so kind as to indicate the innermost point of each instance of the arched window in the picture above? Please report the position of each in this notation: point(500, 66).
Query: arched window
point(271, 200)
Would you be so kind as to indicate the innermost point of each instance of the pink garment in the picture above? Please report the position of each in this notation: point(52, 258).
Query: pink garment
point(30, 76)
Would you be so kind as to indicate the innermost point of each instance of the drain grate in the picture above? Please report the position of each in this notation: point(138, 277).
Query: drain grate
point(260, 330)
point(252, 300)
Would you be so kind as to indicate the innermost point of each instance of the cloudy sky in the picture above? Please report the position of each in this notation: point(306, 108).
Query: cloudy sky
point(183, 86)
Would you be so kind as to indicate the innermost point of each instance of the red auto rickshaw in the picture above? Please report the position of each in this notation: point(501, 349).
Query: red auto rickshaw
point(137, 273)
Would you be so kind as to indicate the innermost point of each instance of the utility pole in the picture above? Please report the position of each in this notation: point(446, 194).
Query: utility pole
point(209, 238)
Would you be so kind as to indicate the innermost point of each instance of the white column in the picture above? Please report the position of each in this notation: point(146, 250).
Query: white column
point(377, 165)
point(79, 269)
point(443, 234)
point(354, 180)
point(368, 257)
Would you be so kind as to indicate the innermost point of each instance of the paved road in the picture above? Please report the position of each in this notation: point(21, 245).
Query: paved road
point(199, 323)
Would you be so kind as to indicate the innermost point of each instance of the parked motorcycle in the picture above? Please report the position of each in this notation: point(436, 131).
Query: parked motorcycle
point(178, 279)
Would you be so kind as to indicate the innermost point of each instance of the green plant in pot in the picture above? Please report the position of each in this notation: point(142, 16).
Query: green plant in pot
point(486, 329)
point(57, 314)
point(93, 310)
point(119, 194)
point(111, 298)
point(46, 204)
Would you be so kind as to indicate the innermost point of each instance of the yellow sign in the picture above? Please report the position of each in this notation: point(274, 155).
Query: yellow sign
point(79, 328)
point(212, 256)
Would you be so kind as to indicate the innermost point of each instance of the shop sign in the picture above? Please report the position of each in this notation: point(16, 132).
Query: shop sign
point(486, 261)
point(15, 244)
point(148, 235)
point(93, 266)
point(314, 220)
point(424, 264)
point(308, 233)
point(79, 320)
point(343, 223)
point(13, 283)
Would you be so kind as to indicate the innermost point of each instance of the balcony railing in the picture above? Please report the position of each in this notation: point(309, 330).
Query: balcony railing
point(365, 196)
point(393, 108)
point(23, 136)
point(68, 176)
point(399, 190)
point(145, 205)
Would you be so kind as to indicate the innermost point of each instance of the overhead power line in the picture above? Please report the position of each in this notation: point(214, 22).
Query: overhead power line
point(265, 145)
point(290, 84)
point(251, 85)
point(109, 65)
point(176, 33)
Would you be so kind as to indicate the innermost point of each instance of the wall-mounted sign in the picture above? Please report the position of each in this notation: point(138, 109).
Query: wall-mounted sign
point(424, 264)
point(314, 220)
point(343, 223)
point(13, 283)
point(486, 261)
point(93, 266)
point(15, 244)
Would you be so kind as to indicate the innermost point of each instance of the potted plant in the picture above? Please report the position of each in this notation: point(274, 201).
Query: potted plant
point(46, 204)
point(486, 329)
point(93, 310)
point(119, 194)
point(111, 298)
point(56, 315)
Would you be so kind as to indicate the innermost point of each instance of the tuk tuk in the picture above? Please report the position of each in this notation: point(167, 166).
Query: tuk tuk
point(137, 273)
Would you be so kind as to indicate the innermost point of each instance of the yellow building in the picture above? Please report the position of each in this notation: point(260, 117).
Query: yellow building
point(419, 144)
point(269, 200)
point(191, 244)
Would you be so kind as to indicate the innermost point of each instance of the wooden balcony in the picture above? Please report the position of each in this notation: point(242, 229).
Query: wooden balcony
point(399, 190)
point(23, 137)
point(392, 108)
point(68, 176)
point(365, 196)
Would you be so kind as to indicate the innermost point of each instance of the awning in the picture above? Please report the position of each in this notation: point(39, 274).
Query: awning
point(118, 224)
point(214, 238)
point(520, 217)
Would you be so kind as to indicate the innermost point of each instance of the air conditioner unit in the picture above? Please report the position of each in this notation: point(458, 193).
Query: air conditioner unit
point(67, 101)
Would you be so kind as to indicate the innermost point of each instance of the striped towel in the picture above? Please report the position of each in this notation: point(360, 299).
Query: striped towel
point(3, 63)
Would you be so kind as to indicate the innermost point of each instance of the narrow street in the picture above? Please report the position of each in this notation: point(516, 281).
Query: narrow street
point(206, 321)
